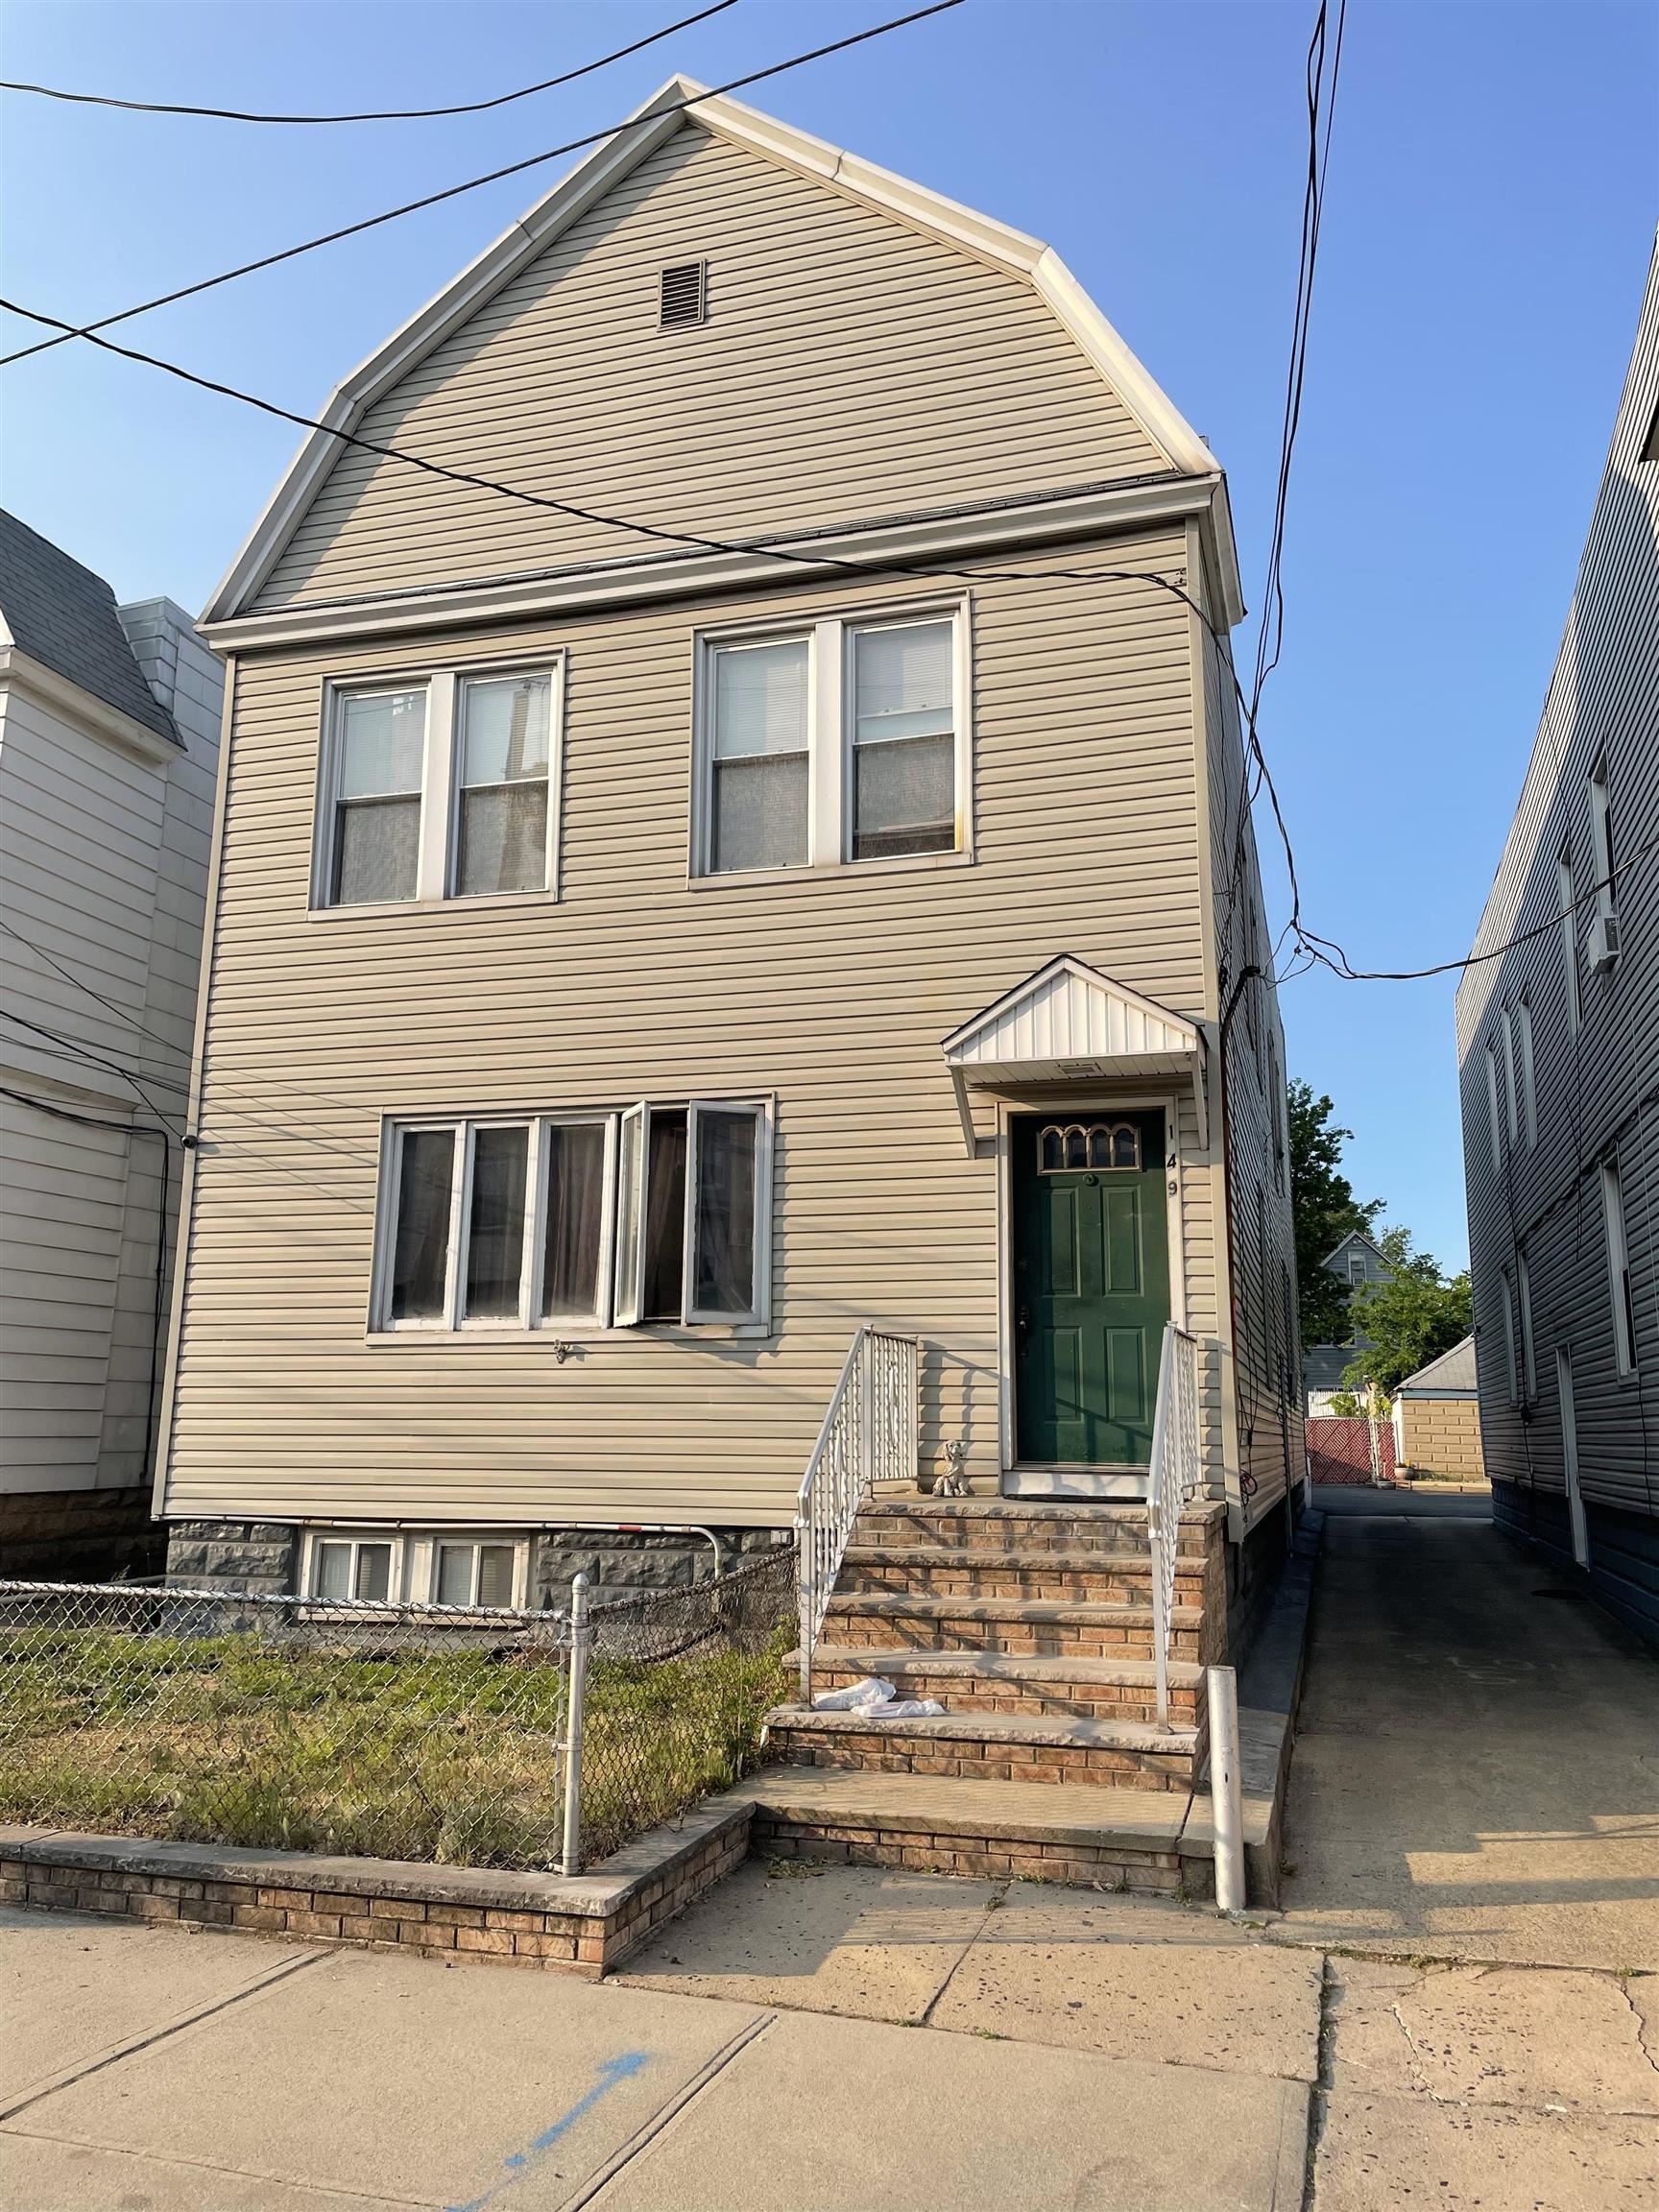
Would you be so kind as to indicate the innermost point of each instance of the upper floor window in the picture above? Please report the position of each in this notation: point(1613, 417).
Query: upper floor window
point(1529, 1070)
point(841, 742)
point(657, 1213)
point(1568, 935)
point(1618, 1269)
point(438, 790)
point(1510, 1087)
point(1492, 1106)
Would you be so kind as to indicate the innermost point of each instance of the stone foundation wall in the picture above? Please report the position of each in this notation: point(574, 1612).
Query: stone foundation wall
point(80, 1536)
point(258, 1555)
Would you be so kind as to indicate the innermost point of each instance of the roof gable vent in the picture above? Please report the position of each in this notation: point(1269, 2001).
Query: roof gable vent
point(685, 294)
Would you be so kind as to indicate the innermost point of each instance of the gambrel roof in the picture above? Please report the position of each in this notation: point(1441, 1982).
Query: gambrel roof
point(1174, 452)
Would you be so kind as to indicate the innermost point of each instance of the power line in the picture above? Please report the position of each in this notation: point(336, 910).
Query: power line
point(370, 115)
point(41, 954)
point(473, 184)
point(75, 1049)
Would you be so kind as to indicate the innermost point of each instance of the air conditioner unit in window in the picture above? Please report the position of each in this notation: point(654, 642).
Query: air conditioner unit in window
point(1604, 945)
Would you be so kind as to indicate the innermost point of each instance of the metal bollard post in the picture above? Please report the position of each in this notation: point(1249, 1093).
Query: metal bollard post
point(570, 1859)
point(1226, 1789)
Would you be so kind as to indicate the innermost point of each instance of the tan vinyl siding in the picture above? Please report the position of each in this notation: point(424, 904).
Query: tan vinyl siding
point(850, 368)
point(832, 990)
point(1595, 1085)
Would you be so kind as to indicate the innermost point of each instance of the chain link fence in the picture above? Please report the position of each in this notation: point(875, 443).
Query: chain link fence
point(419, 1732)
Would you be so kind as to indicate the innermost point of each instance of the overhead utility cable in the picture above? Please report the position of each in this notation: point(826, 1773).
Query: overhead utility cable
point(372, 114)
point(473, 184)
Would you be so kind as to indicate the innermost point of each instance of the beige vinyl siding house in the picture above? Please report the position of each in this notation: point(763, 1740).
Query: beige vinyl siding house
point(776, 816)
point(1556, 1041)
point(109, 737)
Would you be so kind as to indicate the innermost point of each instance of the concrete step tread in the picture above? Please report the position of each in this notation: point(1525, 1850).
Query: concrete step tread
point(1057, 1612)
point(1053, 1730)
point(1000, 1666)
point(1028, 1812)
point(925, 1505)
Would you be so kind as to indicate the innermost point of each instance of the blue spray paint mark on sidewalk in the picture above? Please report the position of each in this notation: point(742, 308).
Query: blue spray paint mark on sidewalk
point(611, 2074)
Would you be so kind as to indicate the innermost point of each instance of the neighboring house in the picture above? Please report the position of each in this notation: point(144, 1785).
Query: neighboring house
point(1559, 1051)
point(108, 739)
point(1357, 1260)
point(659, 958)
point(1437, 1417)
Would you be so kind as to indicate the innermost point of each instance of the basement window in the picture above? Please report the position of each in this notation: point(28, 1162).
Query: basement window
point(477, 1569)
point(684, 295)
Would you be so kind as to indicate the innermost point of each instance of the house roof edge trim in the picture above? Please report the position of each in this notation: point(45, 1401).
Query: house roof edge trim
point(605, 165)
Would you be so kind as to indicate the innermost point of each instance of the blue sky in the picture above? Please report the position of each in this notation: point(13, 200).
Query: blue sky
point(1492, 200)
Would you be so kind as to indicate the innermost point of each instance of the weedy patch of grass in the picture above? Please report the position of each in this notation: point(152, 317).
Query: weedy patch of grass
point(446, 1755)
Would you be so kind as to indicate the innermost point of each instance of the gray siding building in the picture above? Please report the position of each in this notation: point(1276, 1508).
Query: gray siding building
point(1560, 1068)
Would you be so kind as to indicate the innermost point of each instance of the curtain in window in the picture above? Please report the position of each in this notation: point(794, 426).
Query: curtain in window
point(506, 726)
point(375, 1571)
point(723, 1277)
point(495, 1223)
point(760, 767)
point(495, 1575)
point(665, 1220)
point(420, 1262)
point(382, 741)
point(575, 1214)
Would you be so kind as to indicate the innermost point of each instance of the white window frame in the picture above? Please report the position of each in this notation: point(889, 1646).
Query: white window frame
point(1601, 838)
point(356, 1536)
point(1620, 1288)
point(1510, 1087)
point(1528, 1349)
point(413, 1578)
point(830, 704)
point(1529, 1070)
point(439, 849)
point(630, 1233)
point(529, 1321)
point(1569, 937)
point(1496, 1112)
point(1510, 1349)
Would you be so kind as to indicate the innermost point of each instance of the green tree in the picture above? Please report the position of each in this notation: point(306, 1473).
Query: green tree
point(1326, 1211)
point(1409, 1319)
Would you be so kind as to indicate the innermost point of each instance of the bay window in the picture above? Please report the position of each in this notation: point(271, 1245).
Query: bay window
point(436, 788)
point(655, 1214)
point(833, 742)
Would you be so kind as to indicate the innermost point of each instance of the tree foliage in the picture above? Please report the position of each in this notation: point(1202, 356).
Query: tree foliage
point(1409, 1318)
point(1326, 1211)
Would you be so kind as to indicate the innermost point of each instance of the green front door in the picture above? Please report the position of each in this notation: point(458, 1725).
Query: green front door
point(1091, 1230)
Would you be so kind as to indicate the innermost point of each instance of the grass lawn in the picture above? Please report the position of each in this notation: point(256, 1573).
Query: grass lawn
point(443, 1755)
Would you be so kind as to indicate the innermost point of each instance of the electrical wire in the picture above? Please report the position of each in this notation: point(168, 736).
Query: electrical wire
point(88, 1058)
point(370, 116)
point(473, 184)
point(41, 954)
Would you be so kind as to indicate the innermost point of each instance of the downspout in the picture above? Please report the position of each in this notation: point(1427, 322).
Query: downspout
point(1247, 1482)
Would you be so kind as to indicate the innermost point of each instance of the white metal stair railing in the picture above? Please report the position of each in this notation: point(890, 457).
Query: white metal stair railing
point(870, 1436)
point(1176, 1474)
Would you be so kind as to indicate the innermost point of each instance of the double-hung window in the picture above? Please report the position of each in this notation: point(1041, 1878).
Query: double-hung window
point(837, 742)
point(660, 1213)
point(441, 787)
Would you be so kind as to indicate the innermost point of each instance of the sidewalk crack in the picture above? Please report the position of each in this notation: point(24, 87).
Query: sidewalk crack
point(925, 2017)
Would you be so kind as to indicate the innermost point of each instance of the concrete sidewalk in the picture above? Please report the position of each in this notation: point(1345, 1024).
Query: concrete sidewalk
point(827, 2042)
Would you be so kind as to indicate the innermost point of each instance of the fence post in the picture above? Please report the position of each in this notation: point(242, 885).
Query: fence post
point(570, 1860)
point(1226, 1789)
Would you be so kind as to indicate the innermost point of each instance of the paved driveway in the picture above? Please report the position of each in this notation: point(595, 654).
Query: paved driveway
point(1476, 1767)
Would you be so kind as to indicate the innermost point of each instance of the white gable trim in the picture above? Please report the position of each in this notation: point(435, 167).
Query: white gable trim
point(1069, 1025)
point(647, 128)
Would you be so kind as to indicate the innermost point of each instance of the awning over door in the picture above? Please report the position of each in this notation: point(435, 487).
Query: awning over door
point(1070, 1024)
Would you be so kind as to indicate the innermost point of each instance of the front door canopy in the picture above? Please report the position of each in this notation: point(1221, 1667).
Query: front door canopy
point(1070, 1024)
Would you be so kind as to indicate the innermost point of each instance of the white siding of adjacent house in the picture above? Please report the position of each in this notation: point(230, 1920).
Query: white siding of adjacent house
point(1595, 1084)
point(103, 861)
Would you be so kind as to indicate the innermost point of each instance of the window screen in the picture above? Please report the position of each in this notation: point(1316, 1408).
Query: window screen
point(759, 766)
point(904, 741)
point(722, 1273)
point(575, 1220)
point(380, 739)
point(495, 1223)
point(506, 725)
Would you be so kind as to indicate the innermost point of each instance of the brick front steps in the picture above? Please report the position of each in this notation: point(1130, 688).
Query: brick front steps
point(1035, 1747)
point(1035, 1626)
point(976, 1571)
point(584, 1924)
point(1108, 1839)
point(1013, 1682)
